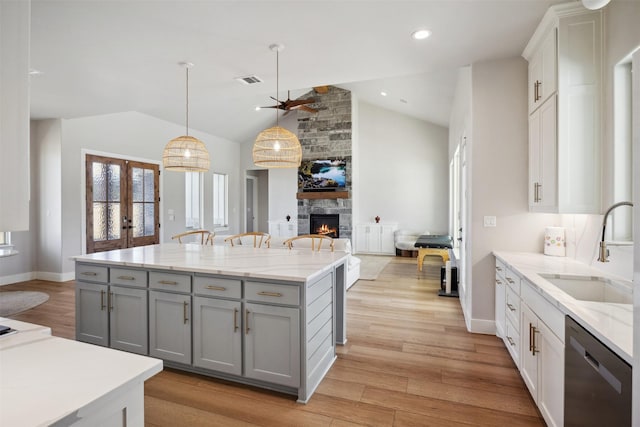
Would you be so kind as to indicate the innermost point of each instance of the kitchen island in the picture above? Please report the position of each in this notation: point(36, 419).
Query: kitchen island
point(264, 317)
point(47, 380)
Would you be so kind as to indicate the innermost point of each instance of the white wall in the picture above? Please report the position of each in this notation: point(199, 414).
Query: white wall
point(142, 137)
point(403, 170)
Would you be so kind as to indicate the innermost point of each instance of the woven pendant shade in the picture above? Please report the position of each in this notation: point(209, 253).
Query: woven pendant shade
point(185, 154)
point(277, 147)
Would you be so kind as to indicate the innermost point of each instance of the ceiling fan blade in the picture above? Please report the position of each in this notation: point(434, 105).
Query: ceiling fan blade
point(297, 102)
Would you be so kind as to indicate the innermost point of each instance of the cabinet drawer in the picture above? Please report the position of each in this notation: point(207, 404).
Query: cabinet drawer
point(128, 277)
point(272, 293)
point(170, 281)
point(92, 273)
point(512, 307)
point(512, 341)
point(512, 280)
point(217, 287)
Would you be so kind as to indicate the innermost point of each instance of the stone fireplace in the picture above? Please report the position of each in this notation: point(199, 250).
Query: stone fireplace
point(326, 224)
point(327, 135)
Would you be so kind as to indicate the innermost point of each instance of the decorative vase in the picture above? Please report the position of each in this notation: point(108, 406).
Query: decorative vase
point(377, 218)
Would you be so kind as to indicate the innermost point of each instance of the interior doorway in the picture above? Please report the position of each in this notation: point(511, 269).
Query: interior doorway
point(122, 203)
point(251, 210)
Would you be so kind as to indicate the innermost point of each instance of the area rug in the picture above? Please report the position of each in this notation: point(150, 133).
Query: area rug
point(13, 302)
point(372, 265)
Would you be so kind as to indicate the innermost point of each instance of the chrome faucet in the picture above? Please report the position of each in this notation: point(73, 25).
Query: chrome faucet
point(603, 255)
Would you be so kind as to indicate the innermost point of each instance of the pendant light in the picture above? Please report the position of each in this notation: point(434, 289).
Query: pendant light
point(277, 147)
point(186, 153)
point(594, 4)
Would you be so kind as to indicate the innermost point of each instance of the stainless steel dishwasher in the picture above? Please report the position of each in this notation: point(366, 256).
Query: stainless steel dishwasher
point(597, 382)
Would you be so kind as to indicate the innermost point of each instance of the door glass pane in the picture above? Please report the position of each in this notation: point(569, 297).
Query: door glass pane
point(113, 184)
point(137, 178)
point(138, 220)
point(149, 189)
point(99, 171)
point(148, 219)
point(113, 221)
point(99, 221)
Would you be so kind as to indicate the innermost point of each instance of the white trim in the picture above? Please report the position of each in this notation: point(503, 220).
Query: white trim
point(55, 277)
point(83, 188)
point(16, 278)
point(482, 326)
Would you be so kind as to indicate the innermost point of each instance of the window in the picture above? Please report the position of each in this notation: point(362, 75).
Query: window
point(5, 238)
point(220, 200)
point(193, 199)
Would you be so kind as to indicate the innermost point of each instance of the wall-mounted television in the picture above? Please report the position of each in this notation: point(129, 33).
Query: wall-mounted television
point(322, 175)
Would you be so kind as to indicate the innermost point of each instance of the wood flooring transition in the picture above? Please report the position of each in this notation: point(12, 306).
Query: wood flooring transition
point(409, 361)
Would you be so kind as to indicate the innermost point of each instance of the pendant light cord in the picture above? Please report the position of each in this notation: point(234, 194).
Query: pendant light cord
point(277, 83)
point(187, 91)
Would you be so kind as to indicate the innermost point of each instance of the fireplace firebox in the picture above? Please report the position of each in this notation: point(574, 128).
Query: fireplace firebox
point(327, 224)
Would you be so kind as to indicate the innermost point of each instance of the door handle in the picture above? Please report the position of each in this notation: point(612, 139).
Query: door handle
point(185, 306)
point(110, 301)
point(235, 319)
point(246, 322)
point(102, 306)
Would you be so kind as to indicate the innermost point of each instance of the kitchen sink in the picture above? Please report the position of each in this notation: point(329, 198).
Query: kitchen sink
point(590, 288)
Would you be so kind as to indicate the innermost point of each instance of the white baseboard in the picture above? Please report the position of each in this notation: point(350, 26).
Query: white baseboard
point(37, 275)
point(17, 278)
point(482, 326)
point(55, 277)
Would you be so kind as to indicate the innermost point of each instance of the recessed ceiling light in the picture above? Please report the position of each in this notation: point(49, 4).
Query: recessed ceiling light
point(420, 34)
point(34, 72)
point(383, 93)
point(404, 101)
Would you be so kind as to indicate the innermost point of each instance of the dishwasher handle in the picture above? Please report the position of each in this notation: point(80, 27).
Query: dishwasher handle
point(601, 369)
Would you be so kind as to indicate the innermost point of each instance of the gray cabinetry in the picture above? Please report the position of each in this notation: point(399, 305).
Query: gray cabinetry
point(92, 317)
point(170, 326)
point(272, 344)
point(217, 335)
point(111, 316)
point(128, 319)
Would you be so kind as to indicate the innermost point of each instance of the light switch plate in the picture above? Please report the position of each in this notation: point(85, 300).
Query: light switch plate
point(489, 221)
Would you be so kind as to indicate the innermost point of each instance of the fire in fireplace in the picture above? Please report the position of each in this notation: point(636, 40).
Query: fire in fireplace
point(326, 224)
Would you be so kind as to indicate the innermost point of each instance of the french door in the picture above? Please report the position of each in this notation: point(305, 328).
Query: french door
point(122, 203)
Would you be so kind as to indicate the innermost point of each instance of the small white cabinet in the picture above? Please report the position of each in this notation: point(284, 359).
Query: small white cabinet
point(375, 238)
point(500, 299)
point(565, 84)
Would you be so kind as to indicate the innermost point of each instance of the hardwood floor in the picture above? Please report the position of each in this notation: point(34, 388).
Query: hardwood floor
point(409, 361)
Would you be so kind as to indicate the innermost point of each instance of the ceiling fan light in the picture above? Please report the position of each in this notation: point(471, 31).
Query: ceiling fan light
point(277, 147)
point(594, 4)
point(186, 154)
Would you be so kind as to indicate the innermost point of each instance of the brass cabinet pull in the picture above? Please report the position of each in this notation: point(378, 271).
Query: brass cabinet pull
point(512, 308)
point(498, 282)
point(246, 322)
point(536, 192)
point(89, 273)
point(498, 268)
point(534, 349)
point(510, 280)
point(102, 306)
point(185, 306)
point(167, 282)
point(235, 319)
point(126, 278)
point(536, 91)
point(270, 294)
point(530, 336)
point(111, 298)
point(216, 288)
point(511, 341)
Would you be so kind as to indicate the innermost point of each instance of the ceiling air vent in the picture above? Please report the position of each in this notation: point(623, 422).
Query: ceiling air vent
point(249, 80)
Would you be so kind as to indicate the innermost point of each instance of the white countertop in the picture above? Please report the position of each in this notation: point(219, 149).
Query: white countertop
point(610, 323)
point(45, 378)
point(263, 263)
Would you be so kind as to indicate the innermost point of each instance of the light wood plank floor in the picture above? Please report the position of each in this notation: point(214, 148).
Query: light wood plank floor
point(409, 361)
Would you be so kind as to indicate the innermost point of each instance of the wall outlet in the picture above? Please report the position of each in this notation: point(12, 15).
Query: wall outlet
point(489, 221)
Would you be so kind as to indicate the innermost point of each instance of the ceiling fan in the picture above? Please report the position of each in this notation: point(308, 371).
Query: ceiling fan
point(293, 104)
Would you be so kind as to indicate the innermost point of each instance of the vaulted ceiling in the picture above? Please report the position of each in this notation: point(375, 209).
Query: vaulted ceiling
point(99, 57)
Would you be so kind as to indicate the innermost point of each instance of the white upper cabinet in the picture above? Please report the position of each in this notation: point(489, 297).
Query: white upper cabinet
point(14, 115)
point(565, 84)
